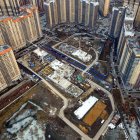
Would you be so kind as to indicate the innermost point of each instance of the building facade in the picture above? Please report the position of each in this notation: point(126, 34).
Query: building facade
point(127, 30)
point(3, 83)
point(38, 3)
point(129, 65)
point(19, 30)
point(9, 7)
point(137, 18)
point(84, 12)
point(104, 6)
point(9, 70)
point(117, 20)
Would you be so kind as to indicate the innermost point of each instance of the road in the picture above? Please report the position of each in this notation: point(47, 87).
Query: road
point(105, 125)
point(73, 62)
point(66, 101)
point(58, 54)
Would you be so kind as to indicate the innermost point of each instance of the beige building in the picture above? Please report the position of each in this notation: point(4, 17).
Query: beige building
point(12, 32)
point(51, 13)
point(8, 65)
point(72, 10)
point(80, 11)
point(137, 18)
point(69, 11)
point(1, 38)
point(129, 65)
point(135, 77)
point(9, 7)
point(63, 11)
point(104, 6)
point(3, 83)
point(22, 29)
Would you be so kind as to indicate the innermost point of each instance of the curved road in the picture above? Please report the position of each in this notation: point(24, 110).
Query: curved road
point(65, 100)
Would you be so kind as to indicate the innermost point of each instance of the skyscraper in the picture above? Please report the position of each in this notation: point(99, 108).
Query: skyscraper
point(12, 32)
point(3, 83)
point(104, 7)
point(9, 7)
point(51, 13)
point(9, 70)
point(18, 30)
point(127, 31)
point(71, 11)
point(30, 23)
point(137, 18)
point(129, 65)
point(117, 20)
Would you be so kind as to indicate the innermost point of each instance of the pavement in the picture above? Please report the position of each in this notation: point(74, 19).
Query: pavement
point(65, 101)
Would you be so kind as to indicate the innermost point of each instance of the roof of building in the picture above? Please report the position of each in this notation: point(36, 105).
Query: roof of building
point(134, 44)
point(40, 52)
point(86, 106)
point(4, 49)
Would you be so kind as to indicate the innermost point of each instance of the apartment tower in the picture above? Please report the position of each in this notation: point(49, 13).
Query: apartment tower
point(9, 70)
point(104, 6)
point(9, 7)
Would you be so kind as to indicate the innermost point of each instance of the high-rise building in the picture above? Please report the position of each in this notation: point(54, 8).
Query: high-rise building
point(9, 70)
point(91, 13)
point(51, 13)
point(31, 23)
point(37, 3)
point(137, 18)
point(118, 15)
point(18, 30)
point(3, 83)
point(12, 32)
point(129, 65)
point(9, 7)
point(71, 11)
point(2, 42)
point(63, 17)
point(127, 31)
point(132, 3)
point(104, 6)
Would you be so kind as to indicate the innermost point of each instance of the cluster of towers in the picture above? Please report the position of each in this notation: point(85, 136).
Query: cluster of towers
point(19, 30)
point(19, 26)
point(127, 45)
point(71, 11)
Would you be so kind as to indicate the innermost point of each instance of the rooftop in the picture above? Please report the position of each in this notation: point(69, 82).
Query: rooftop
point(40, 52)
point(134, 44)
point(86, 106)
point(129, 15)
point(4, 47)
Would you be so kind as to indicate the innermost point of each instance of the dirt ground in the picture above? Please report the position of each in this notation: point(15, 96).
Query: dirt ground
point(38, 94)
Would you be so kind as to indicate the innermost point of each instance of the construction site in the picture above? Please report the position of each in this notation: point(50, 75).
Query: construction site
point(90, 112)
point(59, 73)
point(35, 115)
point(66, 64)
